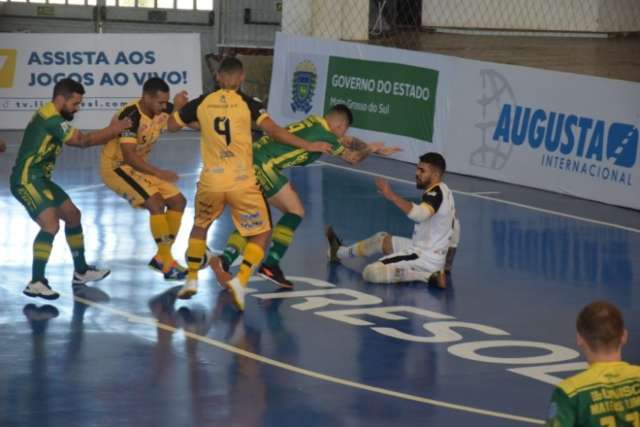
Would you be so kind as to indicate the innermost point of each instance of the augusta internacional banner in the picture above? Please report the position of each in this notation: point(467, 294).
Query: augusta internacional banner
point(567, 133)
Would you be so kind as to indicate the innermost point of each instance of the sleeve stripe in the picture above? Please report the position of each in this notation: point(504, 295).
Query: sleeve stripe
point(178, 119)
point(127, 140)
point(428, 206)
point(69, 135)
point(262, 117)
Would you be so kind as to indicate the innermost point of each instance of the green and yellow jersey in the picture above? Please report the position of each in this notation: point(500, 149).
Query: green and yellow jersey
point(41, 144)
point(605, 395)
point(271, 153)
point(270, 156)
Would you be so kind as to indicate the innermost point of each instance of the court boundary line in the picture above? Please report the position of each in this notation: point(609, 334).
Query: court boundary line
point(134, 318)
point(493, 199)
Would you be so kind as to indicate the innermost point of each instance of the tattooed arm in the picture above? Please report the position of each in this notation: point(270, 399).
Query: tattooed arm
point(357, 150)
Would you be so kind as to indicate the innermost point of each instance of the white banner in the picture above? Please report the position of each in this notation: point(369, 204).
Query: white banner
point(112, 68)
point(566, 133)
point(396, 96)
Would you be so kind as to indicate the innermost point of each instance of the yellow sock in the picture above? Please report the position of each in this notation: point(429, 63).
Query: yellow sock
point(162, 236)
point(195, 254)
point(252, 256)
point(174, 219)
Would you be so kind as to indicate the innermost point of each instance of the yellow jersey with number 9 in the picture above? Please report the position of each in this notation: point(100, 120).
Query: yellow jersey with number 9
point(225, 118)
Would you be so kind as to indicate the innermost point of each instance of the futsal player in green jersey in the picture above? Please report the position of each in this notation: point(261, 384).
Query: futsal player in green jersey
point(607, 394)
point(269, 159)
point(46, 203)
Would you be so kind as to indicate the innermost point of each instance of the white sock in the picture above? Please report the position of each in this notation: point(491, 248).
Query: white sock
point(345, 252)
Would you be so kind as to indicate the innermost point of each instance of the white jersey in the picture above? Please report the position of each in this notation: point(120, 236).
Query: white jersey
point(434, 234)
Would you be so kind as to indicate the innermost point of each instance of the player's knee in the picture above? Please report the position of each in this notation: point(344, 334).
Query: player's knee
point(177, 203)
point(51, 228)
point(375, 273)
point(72, 216)
point(299, 211)
point(155, 204)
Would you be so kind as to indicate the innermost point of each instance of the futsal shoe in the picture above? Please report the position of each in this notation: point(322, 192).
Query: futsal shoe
point(156, 264)
point(40, 288)
point(189, 289)
point(221, 270)
point(274, 273)
point(237, 292)
point(176, 272)
point(92, 274)
point(334, 244)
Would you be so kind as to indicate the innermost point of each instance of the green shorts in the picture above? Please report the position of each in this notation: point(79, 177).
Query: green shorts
point(270, 179)
point(38, 195)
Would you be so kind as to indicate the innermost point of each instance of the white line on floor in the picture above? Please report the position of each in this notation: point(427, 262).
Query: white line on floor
point(313, 374)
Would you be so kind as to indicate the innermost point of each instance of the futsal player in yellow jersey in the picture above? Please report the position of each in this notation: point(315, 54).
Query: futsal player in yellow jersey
point(126, 171)
point(225, 117)
point(607, 394)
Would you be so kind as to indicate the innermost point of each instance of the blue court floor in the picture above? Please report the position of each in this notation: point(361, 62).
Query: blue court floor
point(335, 351)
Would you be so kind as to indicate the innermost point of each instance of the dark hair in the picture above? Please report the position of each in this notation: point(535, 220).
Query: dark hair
point(342, 110)
point(601, 325)
point(67, 87)
point(155, 85)
point(436, 160)
point(230, 65)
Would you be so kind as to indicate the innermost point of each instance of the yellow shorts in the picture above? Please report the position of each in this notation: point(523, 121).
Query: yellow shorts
point(249, 209)
point(136, 186)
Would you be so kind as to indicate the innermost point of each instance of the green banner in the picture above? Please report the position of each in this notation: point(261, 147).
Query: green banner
point(384, 97)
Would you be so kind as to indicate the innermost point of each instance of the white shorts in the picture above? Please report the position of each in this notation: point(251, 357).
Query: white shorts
point(407, 256)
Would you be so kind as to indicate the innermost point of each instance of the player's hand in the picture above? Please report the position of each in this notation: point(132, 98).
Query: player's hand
point(118, 125)
point(3, 146)
point(166, 175)
point(180, 100)
point(383, 187)
point(387, 151)
point(320, 147)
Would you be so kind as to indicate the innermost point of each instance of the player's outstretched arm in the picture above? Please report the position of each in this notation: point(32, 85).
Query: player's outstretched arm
point(99, 137)
point(173, 125)
point(358, 150)
point(3, 146)
point(280, 134)
point(385, 189)
point(179, 101)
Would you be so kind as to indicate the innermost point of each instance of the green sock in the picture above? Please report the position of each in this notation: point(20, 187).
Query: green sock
point(75, 239)
point(282, 238)
point(235, 246)
point(41, 251)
